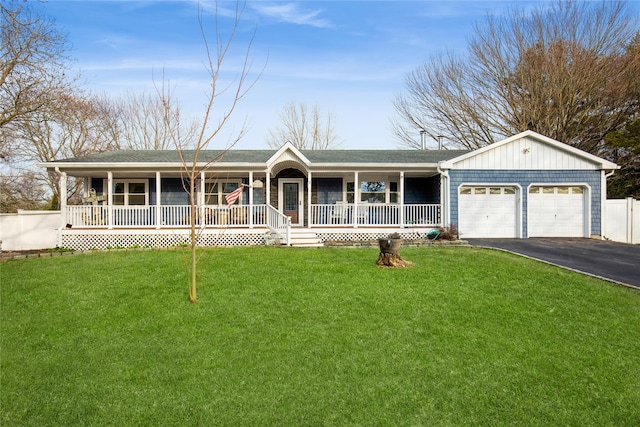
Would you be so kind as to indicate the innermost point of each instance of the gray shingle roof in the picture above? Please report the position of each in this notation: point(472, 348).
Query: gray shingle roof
point(262, 156)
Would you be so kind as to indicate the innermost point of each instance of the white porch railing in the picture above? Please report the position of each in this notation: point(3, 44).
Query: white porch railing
point(322, 215)
point(375, 214)
point(169, 216)
point(279, 224)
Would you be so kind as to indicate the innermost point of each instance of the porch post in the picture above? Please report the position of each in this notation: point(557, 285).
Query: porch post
point(309, 200)
point(401, 195)
point(158, 197)
point(201, 200)
point(250, 199)
point(268, 184)
point(63, 198)
point(356, 198)
point(110, 198)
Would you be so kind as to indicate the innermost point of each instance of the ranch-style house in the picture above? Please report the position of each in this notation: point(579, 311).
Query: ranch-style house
point(527, 185)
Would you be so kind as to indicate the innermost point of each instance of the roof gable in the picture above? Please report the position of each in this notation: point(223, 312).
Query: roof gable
point(528, 151)
point(288, 156)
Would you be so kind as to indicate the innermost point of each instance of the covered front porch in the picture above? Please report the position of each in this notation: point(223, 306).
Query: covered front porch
point(332, 207)
point(331, 194)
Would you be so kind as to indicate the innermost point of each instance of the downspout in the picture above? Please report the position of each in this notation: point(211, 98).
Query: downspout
point(63, 205)
point(444, 195)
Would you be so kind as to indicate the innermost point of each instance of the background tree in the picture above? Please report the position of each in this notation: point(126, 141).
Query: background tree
point(146, 122)
point(69, 126)
point(33, 64)
point(304, 128)
point(563, 70)
point(34, 78)
point(624, 149)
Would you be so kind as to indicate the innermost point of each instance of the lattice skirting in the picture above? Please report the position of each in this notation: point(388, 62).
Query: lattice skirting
point(82, 240)
point(364, 236)
point(88, 241)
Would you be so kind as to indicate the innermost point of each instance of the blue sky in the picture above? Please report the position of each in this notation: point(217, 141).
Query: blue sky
point(348, 57)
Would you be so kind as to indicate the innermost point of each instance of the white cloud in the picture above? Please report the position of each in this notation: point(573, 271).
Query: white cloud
point(292, 13)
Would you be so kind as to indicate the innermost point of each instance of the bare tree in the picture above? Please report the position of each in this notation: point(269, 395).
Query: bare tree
point(145, 122)
point(34, 80)
point(304, 128)
point(192, 153)
point(22, 192)
point(71, 126)
point(561, 70)
point(33, 65)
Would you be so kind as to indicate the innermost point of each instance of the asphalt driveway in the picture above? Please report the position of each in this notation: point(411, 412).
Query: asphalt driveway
point(613, 261)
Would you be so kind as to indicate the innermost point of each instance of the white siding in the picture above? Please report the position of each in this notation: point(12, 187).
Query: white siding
point(526, 154)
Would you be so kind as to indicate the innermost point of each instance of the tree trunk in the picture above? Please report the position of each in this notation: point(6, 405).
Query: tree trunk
point(392, 260)
point(389, 256)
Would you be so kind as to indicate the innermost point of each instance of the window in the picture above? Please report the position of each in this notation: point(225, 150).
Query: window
point(214, 192)
point(373, 191)
point(350, 192)
point(130, 193)
point(393, 192)
point(465, 190)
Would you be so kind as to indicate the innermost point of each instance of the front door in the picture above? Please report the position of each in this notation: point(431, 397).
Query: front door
point(291, 195)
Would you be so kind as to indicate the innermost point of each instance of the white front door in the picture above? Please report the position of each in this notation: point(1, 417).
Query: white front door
point(488, 211)
point(290, 196)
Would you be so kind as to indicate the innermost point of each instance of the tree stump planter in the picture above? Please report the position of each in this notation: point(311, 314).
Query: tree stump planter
point(389, 256)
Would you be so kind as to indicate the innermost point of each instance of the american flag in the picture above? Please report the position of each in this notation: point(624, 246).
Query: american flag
point(233, 196)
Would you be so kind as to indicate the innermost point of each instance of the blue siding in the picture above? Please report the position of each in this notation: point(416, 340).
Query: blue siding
point(172, 192)
point(524, 179)
point(422, 190)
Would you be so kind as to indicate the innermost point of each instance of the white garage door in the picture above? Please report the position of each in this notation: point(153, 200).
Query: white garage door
point(556, 211)
point(487, 211)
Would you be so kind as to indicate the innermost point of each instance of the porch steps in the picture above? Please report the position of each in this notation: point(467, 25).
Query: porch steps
point(304, 238)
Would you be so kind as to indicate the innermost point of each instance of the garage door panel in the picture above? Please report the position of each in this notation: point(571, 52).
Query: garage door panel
point(487, 212)
point(556, 211)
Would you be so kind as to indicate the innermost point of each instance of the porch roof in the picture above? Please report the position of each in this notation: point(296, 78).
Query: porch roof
point(253, 158)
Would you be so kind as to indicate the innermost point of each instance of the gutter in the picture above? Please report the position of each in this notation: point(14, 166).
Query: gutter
point(444, 194)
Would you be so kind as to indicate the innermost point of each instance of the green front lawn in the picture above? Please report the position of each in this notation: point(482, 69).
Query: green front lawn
point(285, 336)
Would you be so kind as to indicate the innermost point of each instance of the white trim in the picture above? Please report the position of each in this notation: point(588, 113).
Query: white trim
point(158, 199)
point(288, 147)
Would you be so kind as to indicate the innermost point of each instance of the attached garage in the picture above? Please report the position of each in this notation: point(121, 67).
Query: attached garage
point(488, 211)
point(557, 211)
point(527, 185)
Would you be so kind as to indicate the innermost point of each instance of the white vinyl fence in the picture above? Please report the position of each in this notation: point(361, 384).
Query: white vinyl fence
point(28, 230)
point(623, 220)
